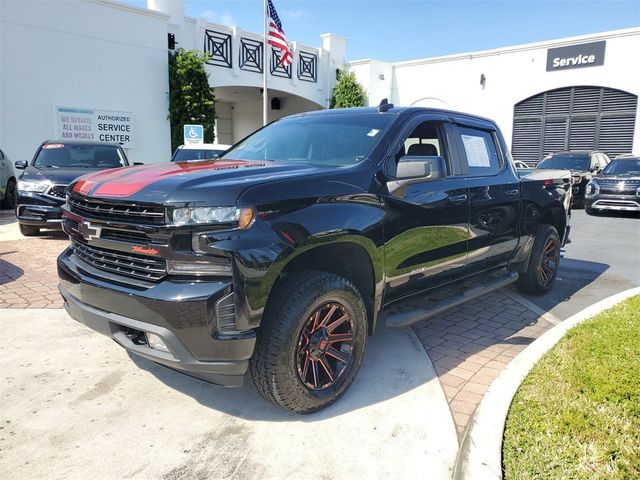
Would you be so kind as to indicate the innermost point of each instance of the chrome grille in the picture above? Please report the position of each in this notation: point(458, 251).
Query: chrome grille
point(611, 186)
point(120, 263)
point(125, 236)
point(119, 212)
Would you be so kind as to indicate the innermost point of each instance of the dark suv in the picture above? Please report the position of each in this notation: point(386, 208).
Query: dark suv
point(616, 188)
point(42, 184)
point(582, 164)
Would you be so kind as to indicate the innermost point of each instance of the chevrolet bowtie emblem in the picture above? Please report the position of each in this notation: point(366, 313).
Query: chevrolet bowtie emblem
point(88, 231)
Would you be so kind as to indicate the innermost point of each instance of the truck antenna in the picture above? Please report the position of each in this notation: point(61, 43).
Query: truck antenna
point(384, 105)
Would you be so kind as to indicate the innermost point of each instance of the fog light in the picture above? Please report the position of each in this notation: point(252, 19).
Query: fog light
point(157, 343)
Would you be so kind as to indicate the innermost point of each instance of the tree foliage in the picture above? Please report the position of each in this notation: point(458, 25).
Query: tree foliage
point(191, 100)
point(347, 92)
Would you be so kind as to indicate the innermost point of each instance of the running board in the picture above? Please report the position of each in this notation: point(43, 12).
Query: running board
point(402, 319)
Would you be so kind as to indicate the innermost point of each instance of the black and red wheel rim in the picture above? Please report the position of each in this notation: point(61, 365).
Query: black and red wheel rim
point(548, 262)
point(325, 346)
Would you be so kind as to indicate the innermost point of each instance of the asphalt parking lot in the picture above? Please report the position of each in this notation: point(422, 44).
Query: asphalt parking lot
point(73, 404)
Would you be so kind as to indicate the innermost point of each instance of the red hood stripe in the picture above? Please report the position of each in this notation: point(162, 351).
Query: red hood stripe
point(124, 182)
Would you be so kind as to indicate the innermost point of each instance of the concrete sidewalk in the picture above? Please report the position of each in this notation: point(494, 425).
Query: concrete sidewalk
point(74, 405)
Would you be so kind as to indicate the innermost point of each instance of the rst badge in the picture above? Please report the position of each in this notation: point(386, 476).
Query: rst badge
point(88, 231)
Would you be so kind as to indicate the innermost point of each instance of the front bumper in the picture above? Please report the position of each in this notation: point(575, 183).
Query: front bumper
point(39, 210)
point(620, 203)
point(182, 313)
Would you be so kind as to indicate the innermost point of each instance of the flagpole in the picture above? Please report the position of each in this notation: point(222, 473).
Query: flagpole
point(264, 67)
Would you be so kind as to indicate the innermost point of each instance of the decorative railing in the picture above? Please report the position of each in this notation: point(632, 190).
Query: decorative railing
point(308, 67)
point(219, 46)
point(251, 55)
point(276, 69)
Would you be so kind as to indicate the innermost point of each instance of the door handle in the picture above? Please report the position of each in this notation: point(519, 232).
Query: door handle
point(458, 198)
point(512, 193)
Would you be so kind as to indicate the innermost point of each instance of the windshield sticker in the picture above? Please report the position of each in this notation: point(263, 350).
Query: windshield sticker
point(373, 132)
point(52, 145)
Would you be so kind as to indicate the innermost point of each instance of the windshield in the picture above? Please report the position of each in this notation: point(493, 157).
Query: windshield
point(566, 162)
point(328, 140)
point(58, 155)
point(628, 166)
point(183, 154)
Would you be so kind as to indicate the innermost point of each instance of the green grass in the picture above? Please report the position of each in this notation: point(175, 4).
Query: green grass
point(577, 414)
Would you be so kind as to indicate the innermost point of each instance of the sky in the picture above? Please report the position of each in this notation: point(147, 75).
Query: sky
point(405, 30)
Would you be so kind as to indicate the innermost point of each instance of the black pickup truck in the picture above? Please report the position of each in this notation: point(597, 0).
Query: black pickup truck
point(283, 255)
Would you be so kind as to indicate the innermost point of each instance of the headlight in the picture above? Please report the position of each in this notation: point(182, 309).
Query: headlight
point(638, 192)
point(39, 187)
point(592, 189)
point(240, 217)
point(213, 266)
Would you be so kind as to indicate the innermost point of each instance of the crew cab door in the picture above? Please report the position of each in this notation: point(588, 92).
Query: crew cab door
point(494, 194)
point(426, 217)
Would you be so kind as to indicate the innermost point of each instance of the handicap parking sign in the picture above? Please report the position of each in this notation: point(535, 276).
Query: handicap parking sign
point(193, 134)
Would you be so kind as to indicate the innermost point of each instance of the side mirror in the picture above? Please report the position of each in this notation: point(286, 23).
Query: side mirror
point(21, 164)
point(423, 167)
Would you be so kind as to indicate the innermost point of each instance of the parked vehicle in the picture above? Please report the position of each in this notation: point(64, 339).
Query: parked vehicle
point(7, 183)
point(617, 187)
point(283, 255)
point(43, 181)
point(202, 151)
point(582, 164)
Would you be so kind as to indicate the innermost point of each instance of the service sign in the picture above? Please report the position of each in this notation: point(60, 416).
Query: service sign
point(95, 125)
point(576, 56)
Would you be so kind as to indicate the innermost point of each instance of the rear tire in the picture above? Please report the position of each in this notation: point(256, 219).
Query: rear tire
point(543, 264)
point(311, 342)
point(9, 201)
point(28, 230)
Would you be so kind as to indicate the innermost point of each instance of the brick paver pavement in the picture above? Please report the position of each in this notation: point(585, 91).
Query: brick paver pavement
point(28, 275)
point(471, 344)
point(468, 345)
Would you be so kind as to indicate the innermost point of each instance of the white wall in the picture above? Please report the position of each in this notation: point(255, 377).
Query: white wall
point(83, 53)
point(191, 35)
point(512, 74)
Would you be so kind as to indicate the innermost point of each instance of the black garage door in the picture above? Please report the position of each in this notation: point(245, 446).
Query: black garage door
point(574, 118)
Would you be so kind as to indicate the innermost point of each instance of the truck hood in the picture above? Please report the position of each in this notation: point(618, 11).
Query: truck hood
point(215, 182)
point(57, 176)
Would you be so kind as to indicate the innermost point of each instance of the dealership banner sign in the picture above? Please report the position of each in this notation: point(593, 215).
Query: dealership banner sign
point(95, 125)
point(576, 56)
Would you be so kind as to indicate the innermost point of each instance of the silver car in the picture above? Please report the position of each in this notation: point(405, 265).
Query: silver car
point(7, 182)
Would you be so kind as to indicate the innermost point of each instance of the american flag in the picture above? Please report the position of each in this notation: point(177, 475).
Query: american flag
point(277, 38)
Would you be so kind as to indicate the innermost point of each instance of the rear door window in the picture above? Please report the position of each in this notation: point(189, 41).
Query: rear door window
point(481, 151)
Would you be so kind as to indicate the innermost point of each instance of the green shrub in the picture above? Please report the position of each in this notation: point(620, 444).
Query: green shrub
point(191, 100)
point(347, 92)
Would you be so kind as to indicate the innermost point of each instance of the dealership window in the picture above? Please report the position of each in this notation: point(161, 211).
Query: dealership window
point(574, 118)
point(480, 149)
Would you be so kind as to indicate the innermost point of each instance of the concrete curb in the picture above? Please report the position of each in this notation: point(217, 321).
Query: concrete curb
point(480, 455)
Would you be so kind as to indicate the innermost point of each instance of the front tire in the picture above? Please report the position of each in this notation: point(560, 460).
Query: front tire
point(543, 264)
point(591, 211)
point(28, 230)
point(311, 342)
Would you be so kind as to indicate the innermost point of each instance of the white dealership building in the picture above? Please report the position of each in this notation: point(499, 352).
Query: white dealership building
point(97, 69)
